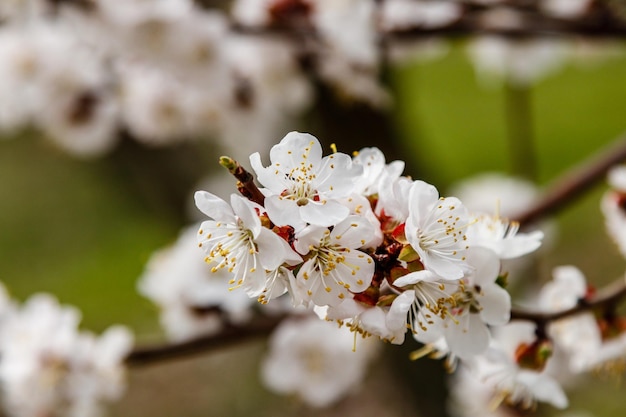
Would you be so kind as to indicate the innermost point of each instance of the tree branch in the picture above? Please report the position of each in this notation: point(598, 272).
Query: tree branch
point(607, 299)
point(575, 182)
point(228, 336)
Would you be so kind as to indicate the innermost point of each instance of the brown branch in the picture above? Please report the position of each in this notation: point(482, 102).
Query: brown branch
point(575, 182)
point(607, 299)
point(245, 185)
point(230, 335)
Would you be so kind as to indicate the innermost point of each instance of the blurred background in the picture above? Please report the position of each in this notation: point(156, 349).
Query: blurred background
point(83, 229)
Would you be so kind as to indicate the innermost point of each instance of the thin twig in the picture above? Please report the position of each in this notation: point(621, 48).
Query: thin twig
point(575, 182)
point(607, 299)
point(228, 336)
point(246, 185)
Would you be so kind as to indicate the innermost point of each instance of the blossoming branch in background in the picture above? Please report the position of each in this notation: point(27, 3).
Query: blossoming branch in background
point(167, 71)
point(50, 368)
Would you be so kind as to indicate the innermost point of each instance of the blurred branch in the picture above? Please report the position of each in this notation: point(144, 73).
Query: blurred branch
point(607, 300)
point(230, 335)
point(575, 182)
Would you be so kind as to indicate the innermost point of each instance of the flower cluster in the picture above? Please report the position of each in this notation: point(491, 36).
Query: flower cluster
point(49, 368)
point(365, 246)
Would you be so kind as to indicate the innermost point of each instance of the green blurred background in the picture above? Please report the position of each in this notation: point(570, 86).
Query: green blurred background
point(83, 230)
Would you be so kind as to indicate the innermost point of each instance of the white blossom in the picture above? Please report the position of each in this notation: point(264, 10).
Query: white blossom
point(334, 266)
point(521, 62)
point(49, 368)
point(509, 381)
point(501, 236)
point(301, 186)
point(411, 14)
point(496, 193)
point(192, 300)
point(462, 319)
point(578, 336)
point(613, 208)
point(315, 360)
point(436, 229)
point(375, 170)
point(236, 241)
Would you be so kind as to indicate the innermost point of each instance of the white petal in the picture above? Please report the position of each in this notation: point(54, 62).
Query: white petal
point(268, 177)
point(422, 198)
point(357, 270)
point(214, 207)
point(468, 338)
point(307, 237)
point(521, 244)
point(397, 316)
point(352, 232)
point(486, 266)
point(496, 305)
point(415, 277)
point(274, 251)
point(442, 267)
point(337, 175)
point(244, 209)
point(544, 388)
point(296, 147)
point(323, 214)
point(283, 212)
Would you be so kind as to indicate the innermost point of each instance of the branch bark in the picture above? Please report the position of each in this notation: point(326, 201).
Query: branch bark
point(607, 299)
point(576, 182)
point(228, 336)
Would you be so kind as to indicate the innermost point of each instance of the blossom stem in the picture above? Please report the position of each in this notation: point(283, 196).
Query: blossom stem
point(245, 184)
point(575, 182)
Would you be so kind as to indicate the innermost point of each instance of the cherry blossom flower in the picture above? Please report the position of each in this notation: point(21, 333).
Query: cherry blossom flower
point(501, 236)
point(334, 267)
point(519, 62)
point(387, 323)
point(236, 241)
point(436, 229)
point(477, 301)
point(612, 206)
point(409, 14)
point(393, 200)
point(48, 367)
point(192, 300)
point(511, 382)
point(566, 9)
point(493, 192)
point(303, 187)
point(375, 170)
point(315, 360)
point(578, 336)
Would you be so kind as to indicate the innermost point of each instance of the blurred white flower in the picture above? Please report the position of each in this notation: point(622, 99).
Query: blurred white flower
point(496, 193)
point(315, 360)
point(192, 300)
point(565, 9)
point(411, 14)
point(613, 207)
point(511, 382)
point(520, 62)
point(578, 336)
point(502, 237)
point(50, 368)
